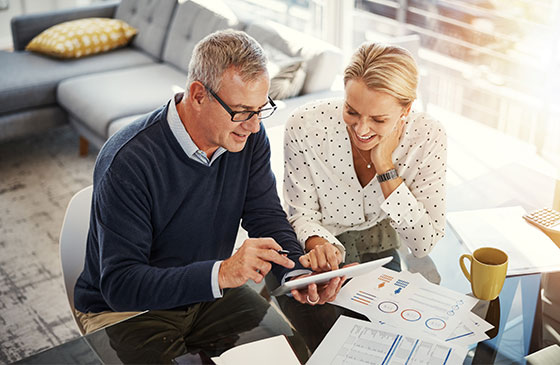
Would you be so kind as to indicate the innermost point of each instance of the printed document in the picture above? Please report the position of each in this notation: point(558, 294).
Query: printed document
point(407, 301)
point(271, 351)
point(353, 341)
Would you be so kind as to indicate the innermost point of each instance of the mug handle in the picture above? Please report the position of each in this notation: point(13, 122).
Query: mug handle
point(462, 264)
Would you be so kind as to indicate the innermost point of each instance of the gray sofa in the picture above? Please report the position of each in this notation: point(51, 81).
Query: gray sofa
point(100, 94)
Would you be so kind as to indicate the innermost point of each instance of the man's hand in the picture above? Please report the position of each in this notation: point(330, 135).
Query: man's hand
point(321, 294)
point(252, 261)
point(323, 257)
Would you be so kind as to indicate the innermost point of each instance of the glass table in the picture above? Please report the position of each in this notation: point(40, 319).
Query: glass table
point(517, 314)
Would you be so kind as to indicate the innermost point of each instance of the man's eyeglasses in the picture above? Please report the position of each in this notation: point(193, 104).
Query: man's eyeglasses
point(246, 114)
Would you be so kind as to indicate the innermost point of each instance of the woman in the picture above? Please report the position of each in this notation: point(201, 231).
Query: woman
point(363, 173)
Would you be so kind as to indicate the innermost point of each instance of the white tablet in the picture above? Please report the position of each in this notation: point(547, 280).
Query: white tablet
point(324, 277)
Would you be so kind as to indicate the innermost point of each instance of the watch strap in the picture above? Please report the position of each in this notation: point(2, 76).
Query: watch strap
point(386, 176)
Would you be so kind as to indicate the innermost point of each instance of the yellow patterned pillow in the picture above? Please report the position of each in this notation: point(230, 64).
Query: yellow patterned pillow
point(82, 37)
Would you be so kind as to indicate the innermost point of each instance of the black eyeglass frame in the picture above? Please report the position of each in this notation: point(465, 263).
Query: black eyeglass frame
point(251, 113)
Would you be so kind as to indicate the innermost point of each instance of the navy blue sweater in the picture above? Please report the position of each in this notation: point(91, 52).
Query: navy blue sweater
point(159, 220)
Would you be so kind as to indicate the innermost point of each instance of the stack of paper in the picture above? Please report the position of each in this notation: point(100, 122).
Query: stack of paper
point(529, 249)
point(407, 302)
point(272, 351)
point(352, 341)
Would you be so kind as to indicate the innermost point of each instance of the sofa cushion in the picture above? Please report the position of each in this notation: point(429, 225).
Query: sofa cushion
point(287, 74)
point(98, 100)
point(191, 22)
point(288, 81)
point(26, 27)
point(82, 37)
point(323, 60)
point(151, 18)
point(29, 80)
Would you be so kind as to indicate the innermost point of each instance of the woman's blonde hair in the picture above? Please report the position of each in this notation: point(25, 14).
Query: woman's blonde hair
point(385, 68)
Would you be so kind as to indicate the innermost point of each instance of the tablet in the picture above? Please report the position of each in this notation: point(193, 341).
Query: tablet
point(324, 277)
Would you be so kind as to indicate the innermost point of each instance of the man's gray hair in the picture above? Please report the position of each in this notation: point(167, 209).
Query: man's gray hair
point(223, 49)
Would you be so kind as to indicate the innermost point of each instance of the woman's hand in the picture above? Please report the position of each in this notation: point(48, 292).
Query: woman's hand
point(381, 154)
point(323, 255)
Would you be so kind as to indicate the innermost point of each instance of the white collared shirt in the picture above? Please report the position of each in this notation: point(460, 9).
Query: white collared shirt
point(184, 138)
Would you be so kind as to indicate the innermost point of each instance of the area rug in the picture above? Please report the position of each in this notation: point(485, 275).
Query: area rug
point(38, 176)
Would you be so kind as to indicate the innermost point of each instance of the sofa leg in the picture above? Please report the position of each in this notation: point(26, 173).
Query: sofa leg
point(84, 144)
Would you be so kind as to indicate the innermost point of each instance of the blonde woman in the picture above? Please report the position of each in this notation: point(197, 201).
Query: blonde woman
point(364, 174)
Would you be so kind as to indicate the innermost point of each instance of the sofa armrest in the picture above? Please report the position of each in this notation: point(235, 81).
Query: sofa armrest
point(26, 27)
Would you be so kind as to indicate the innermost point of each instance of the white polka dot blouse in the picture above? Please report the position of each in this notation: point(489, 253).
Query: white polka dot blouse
point(324, 197)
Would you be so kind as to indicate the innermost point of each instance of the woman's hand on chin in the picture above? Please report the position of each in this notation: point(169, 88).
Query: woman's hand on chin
point(382, 153)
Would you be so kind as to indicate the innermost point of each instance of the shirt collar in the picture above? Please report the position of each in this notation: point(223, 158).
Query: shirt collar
point(184, 138)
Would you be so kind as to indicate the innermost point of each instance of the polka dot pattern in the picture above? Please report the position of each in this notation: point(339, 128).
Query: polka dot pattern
point(324, 197)
point(83, 37)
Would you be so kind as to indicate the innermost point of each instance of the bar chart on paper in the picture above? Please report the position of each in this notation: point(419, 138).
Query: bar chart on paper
point(352, 341)
point(362, 297)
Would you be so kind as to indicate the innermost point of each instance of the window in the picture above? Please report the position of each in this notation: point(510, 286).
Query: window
point(493, 61)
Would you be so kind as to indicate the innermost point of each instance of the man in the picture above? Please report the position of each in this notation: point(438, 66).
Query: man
point(170, 191)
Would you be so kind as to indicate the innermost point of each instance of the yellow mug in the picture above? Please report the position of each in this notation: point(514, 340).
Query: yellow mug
point(488, 271)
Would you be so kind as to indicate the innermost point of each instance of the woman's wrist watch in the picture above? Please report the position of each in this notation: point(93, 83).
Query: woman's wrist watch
point(386, 176)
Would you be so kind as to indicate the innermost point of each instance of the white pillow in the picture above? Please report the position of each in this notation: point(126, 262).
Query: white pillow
point(287, 74)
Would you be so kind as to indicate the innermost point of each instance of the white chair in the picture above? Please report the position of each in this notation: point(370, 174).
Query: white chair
point(73, 238)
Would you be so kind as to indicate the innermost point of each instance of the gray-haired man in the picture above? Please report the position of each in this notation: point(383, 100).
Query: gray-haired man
point(171, 188)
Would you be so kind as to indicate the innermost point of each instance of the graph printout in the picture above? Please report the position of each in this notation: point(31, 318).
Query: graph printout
point(407, 301)
point(352, 341)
